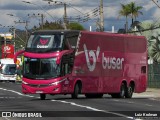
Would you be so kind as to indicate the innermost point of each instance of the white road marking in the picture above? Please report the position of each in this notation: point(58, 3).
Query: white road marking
point(142, 96)
point(94, 109)
point(116, 100)
point(16, 92)
point(148, 105)
point(72, 103)
point(130, 102)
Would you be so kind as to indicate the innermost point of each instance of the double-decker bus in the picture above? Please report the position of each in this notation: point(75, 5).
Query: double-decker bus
point(82, 62)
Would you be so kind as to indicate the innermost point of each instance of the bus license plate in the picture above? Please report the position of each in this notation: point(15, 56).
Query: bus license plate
point(39, 91)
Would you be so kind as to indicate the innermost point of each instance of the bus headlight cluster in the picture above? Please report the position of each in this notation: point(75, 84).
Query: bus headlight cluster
point(24, 82)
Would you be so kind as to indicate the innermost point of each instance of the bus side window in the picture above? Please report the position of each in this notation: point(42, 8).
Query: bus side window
point(66, 45)
point(143, 69)
point(63, 69)
point(66, 69)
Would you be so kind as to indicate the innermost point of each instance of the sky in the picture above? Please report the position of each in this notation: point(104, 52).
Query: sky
point(12, 11)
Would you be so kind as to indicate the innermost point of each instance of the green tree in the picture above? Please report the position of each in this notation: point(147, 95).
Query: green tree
point(134, 10)
point(59, 25)
point(130, 10)
point(154, 49)
point(125, 11)
point(147, 29)
point(75, 26)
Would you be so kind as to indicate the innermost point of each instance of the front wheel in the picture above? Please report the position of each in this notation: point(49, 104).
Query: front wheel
point(42, 96)
point(76, 91)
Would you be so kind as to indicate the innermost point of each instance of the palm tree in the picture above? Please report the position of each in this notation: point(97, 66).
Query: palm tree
point(134, 10)
point(130, 10)
point(125, 11)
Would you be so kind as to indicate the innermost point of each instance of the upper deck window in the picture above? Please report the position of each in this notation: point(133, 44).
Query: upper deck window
point(45, 41)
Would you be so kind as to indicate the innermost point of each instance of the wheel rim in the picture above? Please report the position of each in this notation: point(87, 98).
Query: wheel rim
point(122, 91)
point(130, 91)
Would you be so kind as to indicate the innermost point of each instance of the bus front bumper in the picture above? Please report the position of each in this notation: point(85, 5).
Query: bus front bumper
point(41, 89)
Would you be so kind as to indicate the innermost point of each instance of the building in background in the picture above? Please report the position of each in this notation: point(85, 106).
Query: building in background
point(6, 45)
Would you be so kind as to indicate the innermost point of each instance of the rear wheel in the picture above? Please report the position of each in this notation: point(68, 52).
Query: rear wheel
point(77, 90)
point(122, 91)
point(42, 96)
point(129, 91)
point(121, 94)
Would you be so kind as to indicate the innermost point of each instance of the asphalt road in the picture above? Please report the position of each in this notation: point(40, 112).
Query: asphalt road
point(62, 107)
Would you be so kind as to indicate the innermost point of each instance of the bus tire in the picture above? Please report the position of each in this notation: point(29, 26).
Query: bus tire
point(76, 91)
point(122, 91)
point(129, 91)
point(121, 94)
point(42, 96)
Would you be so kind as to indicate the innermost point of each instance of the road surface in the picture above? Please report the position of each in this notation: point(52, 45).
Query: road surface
point(16, 106)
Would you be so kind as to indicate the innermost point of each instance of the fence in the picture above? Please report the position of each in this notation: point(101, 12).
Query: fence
point(154, 75)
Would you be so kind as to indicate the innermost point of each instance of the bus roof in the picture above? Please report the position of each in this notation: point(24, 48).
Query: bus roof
point(50, 32)
point(112, 34)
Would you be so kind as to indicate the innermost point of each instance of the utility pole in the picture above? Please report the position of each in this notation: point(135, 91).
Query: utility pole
point(65, 16)
point(65, 11)
point(101, 16)
point(39, 15)
point(26, 26)
point(42, 20)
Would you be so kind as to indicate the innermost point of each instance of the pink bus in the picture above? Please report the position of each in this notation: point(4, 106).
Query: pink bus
point(82, 62)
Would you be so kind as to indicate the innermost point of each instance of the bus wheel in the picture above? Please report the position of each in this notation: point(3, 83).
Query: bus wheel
point(42, 96)
point(122, 91)
point(76, 91)
point(121, 94)
point(129, 92)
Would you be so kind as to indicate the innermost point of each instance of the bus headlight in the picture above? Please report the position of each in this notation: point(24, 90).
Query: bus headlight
point(24, 82)
point(56, 83)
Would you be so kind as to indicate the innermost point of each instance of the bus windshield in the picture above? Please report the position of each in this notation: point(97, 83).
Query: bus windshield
point(9, 69)
point(45, 41)
point(40, 68)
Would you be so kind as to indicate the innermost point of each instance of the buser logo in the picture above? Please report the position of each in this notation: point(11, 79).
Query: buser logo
point(43, 42)
point(107, 62)
point(93, 55)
